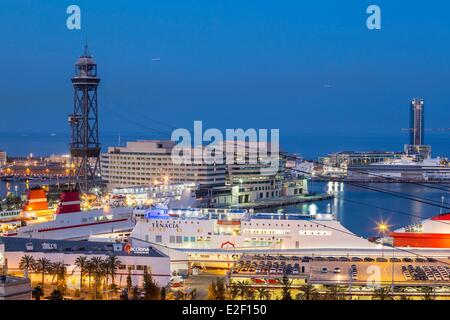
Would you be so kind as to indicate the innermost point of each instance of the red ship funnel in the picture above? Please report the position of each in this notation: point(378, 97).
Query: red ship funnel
point(36, 200)
point(69, 202)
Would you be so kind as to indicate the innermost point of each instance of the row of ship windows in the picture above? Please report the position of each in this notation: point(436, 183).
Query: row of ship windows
point(169, 162)
point(8, 214)
point(119, 178)
point(287, 232)
point(138, 175)
point(280, 224)
point(98, 218)
point(158, 166)
point(179, 239)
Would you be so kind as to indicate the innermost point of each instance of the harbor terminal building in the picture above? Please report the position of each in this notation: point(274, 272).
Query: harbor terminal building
point(133, 259)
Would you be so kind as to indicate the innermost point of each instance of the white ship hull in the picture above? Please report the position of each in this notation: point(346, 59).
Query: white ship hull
point(244, 234)
point(78, 225)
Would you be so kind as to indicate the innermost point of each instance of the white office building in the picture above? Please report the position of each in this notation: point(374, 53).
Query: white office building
point(142, 163)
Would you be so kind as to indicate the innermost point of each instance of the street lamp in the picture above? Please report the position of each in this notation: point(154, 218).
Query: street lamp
point(382, 229)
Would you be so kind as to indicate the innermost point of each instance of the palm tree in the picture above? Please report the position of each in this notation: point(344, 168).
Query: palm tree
point(307, 292)
point(98, 271)
point(233, 290)
point(286, 288)
point(113, 265)
point(56, 295)
point(37, 292)
point(243, 288)
point(335, 292)
point(27, 263)
point(90, 270)
point(401, 291)
point(382, 293)
point(43, 265)
point(263, 293)
point(212, 291)
point(105, 272)
point(54, 269)
point(250, 294)
point(428, 293)
point(81, 263)
point(60, 270)
point(129, 282)
point(114, 288)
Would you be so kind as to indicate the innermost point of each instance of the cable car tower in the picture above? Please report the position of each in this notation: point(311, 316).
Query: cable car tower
point(85, 145)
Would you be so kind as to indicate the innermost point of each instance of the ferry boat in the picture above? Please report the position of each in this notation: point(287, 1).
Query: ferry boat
point(197, 230)
point(429, 233)
point(70, 222)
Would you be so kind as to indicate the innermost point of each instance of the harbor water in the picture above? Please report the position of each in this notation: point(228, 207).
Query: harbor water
point(361, 210)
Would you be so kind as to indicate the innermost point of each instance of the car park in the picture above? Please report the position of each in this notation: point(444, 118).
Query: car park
point(332, 259)
point(319, 259)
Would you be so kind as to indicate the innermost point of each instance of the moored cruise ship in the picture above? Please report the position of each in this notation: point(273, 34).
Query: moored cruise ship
point(70, 222)
point(240, 231)
point(428, 233)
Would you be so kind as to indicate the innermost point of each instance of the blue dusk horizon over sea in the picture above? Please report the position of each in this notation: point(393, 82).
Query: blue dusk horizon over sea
point(309, 145)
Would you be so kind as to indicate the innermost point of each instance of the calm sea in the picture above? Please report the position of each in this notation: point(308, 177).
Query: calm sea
point(360, 210)
point(309, 145)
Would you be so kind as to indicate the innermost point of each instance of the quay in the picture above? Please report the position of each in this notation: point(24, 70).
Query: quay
point(283, 201)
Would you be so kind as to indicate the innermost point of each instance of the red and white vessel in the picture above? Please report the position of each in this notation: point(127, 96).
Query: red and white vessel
point(428, 233)
point(70, 222)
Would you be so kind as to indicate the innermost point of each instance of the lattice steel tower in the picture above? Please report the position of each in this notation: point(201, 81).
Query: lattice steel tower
point(85, 145)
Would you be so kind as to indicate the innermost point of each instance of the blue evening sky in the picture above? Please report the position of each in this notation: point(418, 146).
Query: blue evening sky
point(301, 66)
